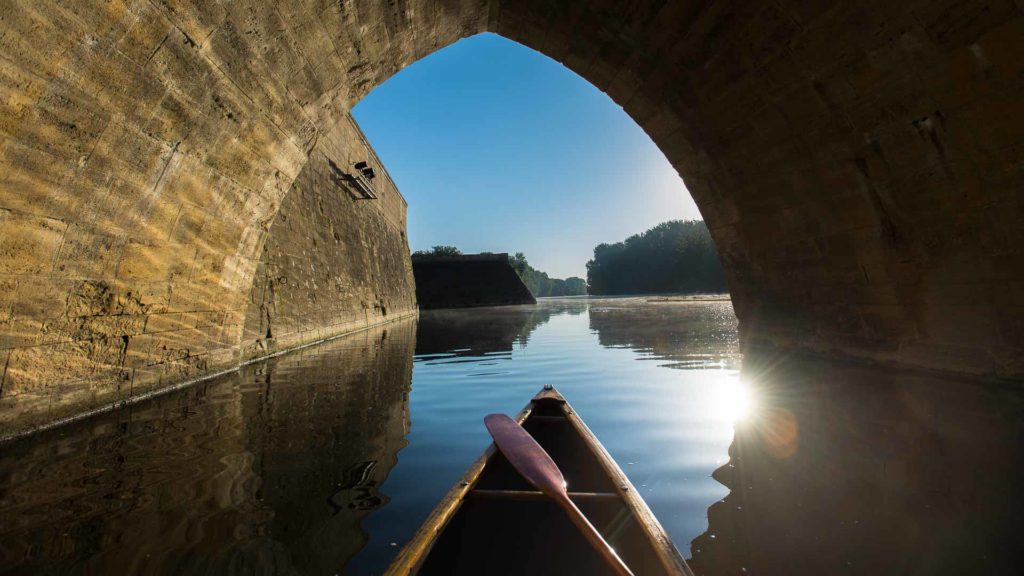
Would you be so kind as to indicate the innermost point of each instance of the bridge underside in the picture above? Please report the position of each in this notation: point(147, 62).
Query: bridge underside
point(169, 203)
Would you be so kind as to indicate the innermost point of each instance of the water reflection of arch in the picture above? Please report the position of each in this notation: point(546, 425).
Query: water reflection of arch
point(854, 470)
point(270, 469)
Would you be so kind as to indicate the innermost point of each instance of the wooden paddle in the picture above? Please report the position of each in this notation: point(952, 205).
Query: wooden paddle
point(533, 462)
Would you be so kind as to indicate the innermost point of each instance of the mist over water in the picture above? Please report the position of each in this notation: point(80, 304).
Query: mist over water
point(664, 427)
point(327, 460)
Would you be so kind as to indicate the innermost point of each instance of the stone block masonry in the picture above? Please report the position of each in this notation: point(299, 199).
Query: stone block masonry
point(91, 322)
point(858, 164)
point(334, 262)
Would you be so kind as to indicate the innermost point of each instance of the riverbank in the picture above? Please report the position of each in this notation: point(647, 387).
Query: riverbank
point(652, 298)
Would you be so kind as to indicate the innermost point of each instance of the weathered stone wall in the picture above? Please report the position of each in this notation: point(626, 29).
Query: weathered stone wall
point(858, 164)
point(145, 149)
point(334, 262)
point(467, 281)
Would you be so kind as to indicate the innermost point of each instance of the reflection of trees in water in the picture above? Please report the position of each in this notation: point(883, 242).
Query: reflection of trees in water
point(861, 471)
point(267, 470)
point(687, 334)
point(470, 332)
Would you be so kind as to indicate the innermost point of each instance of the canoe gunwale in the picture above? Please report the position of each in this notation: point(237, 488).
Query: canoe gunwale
point(668, 555)
point(416, 551)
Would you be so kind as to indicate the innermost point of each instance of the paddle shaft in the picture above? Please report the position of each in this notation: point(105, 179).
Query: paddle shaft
point(593, 536)
point(537, 467)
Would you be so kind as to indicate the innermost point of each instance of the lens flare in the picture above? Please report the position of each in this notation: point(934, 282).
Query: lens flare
point(732, 400)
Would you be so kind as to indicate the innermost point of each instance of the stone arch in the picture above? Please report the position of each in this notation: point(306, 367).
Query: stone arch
point(858, 164)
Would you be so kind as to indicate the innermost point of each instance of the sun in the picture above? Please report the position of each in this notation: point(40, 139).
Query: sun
point(732, 400)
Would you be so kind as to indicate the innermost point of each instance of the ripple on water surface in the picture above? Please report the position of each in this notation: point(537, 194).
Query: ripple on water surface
point(324, 460)
point(328, 459)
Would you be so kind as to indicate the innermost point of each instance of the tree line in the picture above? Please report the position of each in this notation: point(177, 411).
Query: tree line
point(673, 257)
point(677, 256)
point(540, 284)
point(439, 250)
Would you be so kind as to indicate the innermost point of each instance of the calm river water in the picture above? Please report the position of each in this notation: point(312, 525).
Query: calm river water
point(325, 461)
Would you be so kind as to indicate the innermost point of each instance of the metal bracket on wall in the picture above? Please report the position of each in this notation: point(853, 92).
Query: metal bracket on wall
point(357, 182)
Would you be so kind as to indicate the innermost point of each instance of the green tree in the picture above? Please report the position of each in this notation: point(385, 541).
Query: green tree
point(575, 285)
point(676, 256)
point(518, 261)
point(540, 284)
point(439, 250)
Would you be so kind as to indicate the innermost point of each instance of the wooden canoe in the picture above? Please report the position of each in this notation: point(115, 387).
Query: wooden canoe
point(493, 522)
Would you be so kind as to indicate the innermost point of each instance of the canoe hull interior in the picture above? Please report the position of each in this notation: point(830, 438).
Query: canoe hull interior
point(499, 524)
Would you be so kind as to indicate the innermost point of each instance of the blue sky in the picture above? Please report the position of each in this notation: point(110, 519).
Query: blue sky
point(498, 148)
